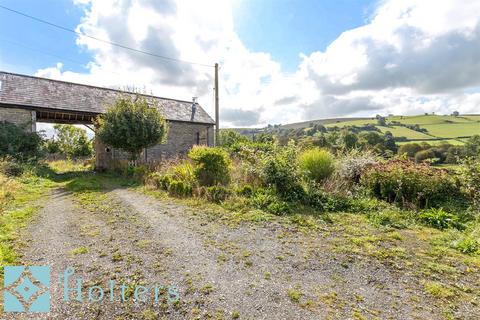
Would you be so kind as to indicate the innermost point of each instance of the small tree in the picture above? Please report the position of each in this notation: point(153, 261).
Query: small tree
point(73, 141)
point(131, 124)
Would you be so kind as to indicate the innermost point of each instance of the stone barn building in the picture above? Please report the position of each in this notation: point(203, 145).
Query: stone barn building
point(26, 100)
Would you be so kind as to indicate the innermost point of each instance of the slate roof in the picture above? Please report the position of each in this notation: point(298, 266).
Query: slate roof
point(40, 93)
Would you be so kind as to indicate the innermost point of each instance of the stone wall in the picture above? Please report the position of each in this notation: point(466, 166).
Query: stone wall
point(182, 136)
point(19, 117)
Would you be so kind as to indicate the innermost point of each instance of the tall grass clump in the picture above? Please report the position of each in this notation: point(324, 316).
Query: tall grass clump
point(317, 163)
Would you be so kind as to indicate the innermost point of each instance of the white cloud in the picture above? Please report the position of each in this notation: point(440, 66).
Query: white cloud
point(411, 57)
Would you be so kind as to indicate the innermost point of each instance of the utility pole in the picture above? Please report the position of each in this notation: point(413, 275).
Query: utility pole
point(217, 119)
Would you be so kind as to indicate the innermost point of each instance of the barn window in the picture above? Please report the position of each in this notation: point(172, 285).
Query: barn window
point(198, 137)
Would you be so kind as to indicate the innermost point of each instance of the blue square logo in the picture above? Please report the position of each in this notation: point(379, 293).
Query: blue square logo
point(26, 289)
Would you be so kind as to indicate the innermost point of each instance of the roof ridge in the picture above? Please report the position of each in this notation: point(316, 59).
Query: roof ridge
point(92, 86)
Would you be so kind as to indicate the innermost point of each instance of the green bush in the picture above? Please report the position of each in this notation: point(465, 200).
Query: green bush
point(317, 163)
point(212, 165)
point(281, 172)
point(408, 184)
point(425, 155)
point(439, 219)
point(179, 188)
point(327, 202)
point(245, 190)
point(160, 181)
point(217, 194)
point(268, 201)
point(470, 178)
point(18, 143)
point(468, 245)
point(409, 149)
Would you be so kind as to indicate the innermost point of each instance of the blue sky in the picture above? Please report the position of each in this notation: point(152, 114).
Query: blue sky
point(360, 57)
point(27, 45)
point(283, 28)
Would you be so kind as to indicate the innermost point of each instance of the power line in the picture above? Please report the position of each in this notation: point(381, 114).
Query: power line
point(102, 40)
point(4, 39)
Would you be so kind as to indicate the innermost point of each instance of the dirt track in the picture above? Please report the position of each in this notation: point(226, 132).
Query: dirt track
point(261, 271)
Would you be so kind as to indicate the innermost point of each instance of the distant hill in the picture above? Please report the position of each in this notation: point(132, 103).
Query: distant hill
point(429, 128)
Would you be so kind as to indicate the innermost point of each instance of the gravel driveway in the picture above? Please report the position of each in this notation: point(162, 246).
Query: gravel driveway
point(222, 271)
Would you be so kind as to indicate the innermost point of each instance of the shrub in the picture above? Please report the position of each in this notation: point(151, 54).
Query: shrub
point(245, 190)
point(317, 163)
point(159, 181)
point(18, 143)
point(354, 164)
point(470, 174)
point(405, 183)
point(409, 149)
point(267, 200)
point(281, 172)
point(211, 165)
point(217, 194)
point(439, 219)
point(139, 173)
point(231, 139)
point(425, 155)
point(179, 188)
point(468, 245)
point(324, 201)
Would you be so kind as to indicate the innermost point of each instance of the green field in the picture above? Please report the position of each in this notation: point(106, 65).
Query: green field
point(430, 119)
point(359, 122)
point(453, 130)
point(440, 128)
point(404, 132)
point(455, 142)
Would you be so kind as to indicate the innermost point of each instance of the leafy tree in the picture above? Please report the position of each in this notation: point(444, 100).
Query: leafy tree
point(72, 141)
point(410, 149)
point(472, 146)
point(370, 139)
point(16, 142)
point(349, 139)
point(131, 124)
point(424, 155)
point(390, 142)
point(231, 138)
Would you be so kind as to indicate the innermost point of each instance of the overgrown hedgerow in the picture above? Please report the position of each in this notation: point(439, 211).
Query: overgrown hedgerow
point(408, 184)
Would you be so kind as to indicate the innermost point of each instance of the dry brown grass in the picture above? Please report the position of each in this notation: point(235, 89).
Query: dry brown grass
point(7, 190)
